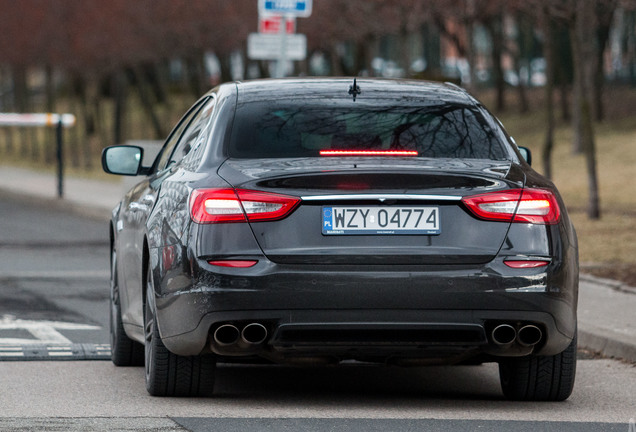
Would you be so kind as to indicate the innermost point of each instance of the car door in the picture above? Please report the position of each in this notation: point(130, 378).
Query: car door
point(131, 223)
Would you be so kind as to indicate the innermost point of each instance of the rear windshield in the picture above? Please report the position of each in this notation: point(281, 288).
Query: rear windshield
point(296, 129)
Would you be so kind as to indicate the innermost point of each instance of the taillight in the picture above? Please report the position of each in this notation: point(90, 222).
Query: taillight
point(230, 205)
point(536, 206)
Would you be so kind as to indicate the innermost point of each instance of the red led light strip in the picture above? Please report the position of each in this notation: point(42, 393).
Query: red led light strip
point(368, 153)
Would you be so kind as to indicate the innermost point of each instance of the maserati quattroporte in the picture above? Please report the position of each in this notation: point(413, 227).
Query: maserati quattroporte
point(313, 221)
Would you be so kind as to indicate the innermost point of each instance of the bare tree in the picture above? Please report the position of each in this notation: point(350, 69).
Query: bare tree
point(584, 61)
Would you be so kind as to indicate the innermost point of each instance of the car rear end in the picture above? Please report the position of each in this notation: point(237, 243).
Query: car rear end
point(398, 226)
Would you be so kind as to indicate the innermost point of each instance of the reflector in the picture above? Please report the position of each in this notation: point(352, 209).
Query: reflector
point(234, 263)
point(523, 264)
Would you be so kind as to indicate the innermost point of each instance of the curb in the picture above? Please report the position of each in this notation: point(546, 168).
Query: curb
point(596, 340)
point(608, 347)
point(610, 283)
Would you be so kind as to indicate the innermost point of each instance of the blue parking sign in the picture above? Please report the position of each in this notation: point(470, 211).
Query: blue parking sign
point(298, 8)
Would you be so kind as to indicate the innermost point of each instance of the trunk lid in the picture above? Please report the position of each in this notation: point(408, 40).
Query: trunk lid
point(402, 186)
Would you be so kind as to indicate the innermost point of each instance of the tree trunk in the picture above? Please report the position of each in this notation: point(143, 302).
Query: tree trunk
point(524, 105)
point(584, 62)
point(495, 27)
point(630, 23)
point(79, 102)
point(577, 92)
point(432, 54)
point(370, 46)
point(404, 45)
point(334, 60)
point(49, 147)
point(548, 50)
point(147, 102)
point(119, 92)
point(471, 57)
point(605, 13)
point(194, 67)
point(563, 69)
point(523, 56)
point(566, 115)
point(22, 105)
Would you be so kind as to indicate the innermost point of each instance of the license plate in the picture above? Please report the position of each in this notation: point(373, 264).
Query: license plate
point(380, 220)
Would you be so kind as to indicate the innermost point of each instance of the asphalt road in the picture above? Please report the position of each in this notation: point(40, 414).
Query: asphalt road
point(54, 289)
point(96, 395)
point(53, 276)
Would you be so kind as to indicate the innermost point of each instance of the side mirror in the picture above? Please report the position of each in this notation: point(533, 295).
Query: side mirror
point(122, 160)
point(526, 154)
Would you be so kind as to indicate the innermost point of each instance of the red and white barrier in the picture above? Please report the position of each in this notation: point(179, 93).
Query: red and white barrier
point(37, 119)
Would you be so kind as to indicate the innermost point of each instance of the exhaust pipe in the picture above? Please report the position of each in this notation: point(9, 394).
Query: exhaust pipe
point(227, 334)
point(529, 335)
point(254, 334)
point(504, 335)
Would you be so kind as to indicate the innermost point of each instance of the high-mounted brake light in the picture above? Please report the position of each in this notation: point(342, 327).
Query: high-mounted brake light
point(536, 206)
point(368, 153)
point(230, 205)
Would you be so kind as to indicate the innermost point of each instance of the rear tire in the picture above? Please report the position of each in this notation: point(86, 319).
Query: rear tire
point(168, 374)
point(539, 378)
point(124, 351)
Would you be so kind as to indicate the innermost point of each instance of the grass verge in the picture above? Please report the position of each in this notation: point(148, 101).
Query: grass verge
point(607, 247)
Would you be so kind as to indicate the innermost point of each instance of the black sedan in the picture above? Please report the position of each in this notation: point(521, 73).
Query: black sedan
point(313, 221)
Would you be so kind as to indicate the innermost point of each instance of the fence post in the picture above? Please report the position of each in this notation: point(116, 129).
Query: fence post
point(60, 159)
point(59, 121)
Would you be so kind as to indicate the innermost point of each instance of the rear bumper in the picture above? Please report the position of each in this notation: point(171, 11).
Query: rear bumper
point(406, 313)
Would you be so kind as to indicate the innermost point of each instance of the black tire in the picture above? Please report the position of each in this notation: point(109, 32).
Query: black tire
point(124, 351)
point(168, 374)
point(539, 378)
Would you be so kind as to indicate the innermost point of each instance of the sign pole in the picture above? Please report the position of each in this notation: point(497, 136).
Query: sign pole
point(282, 59)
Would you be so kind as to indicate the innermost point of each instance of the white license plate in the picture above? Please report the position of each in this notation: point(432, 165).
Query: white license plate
point(380, 220)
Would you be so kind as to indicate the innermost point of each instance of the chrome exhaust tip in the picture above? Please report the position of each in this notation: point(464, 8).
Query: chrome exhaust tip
point(529, 335)
point(226, 334)
point(504, 335)
point(254, 334)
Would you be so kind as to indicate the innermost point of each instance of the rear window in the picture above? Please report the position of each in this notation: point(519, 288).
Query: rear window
point(296, 129)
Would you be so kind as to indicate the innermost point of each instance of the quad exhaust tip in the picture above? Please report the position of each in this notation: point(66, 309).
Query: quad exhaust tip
point(529, 335)
point(251, 335)
point(226, 335)
point(254, 334)
point(504, 335)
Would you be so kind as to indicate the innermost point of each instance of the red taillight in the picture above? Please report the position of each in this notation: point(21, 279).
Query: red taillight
point(230, 205)
point(234, 263)
point(368, 153)
point(536, 206)
point(523, 264)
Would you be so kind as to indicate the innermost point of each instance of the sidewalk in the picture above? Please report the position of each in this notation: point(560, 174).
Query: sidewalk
point(607, 309)
point(89, 197)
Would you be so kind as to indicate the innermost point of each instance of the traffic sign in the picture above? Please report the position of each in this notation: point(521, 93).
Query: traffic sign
point(268, 46)
point(299, 8)
point(271, 24)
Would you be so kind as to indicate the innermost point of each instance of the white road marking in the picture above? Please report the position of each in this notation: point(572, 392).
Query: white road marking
point(44, 332)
